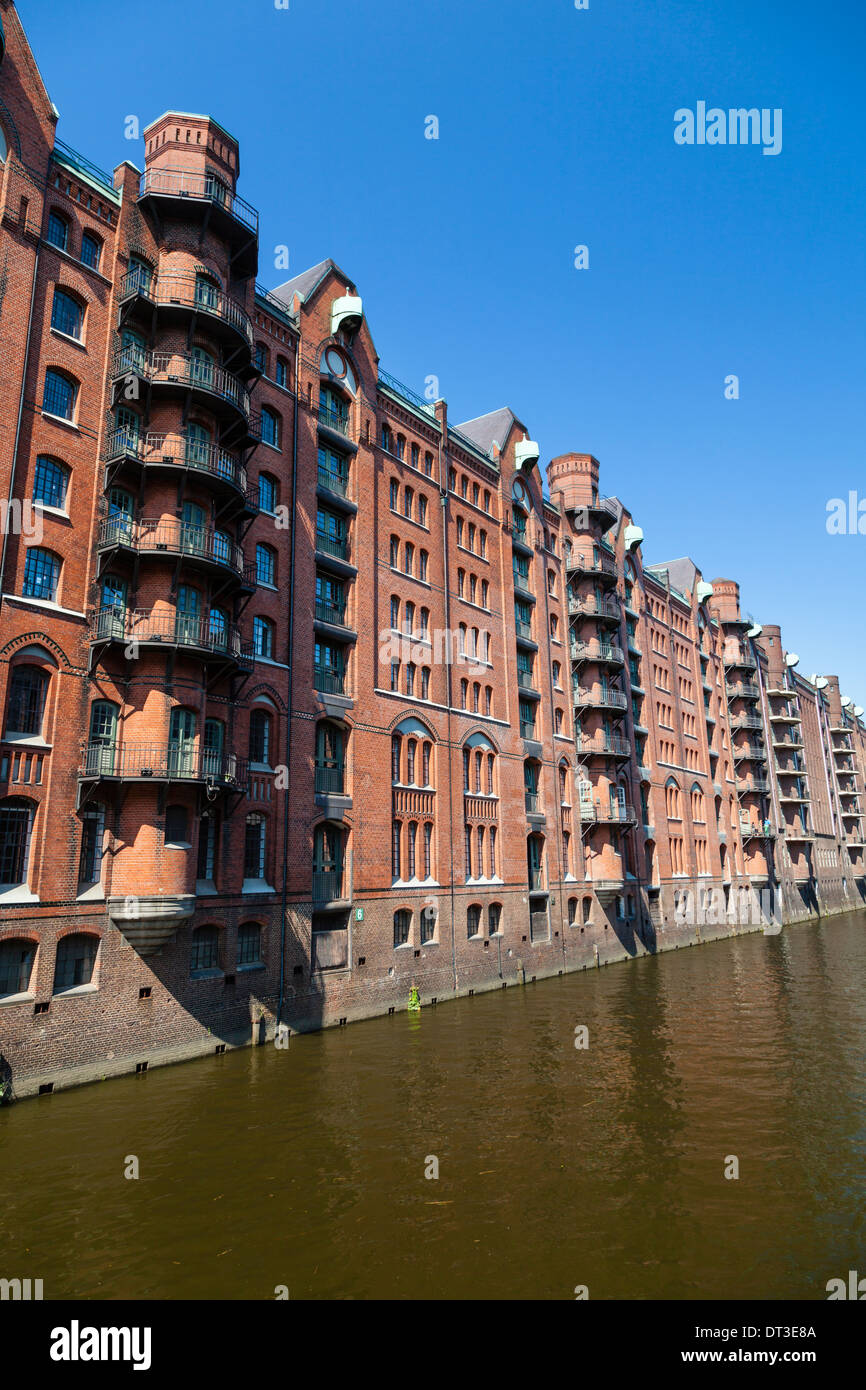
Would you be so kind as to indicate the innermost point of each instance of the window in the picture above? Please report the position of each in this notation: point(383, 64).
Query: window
point(58, 230)
point(204, 954)
point(395, 553)
point(281, 376)
point(254, 847)
point(410, 678)
point(207, 845)
point(428, 850)
point(60, 395)
point(402, 924)
point(41, 574)
point(267, 493)
point(408, 498)
point(422, 510)
point(394, 494)
point(425, 764)
point(16, 820)
point(473, 920)
point(330, 769)
point(428, 465)
point(76, 957)
point(423, 560)
point(395, 849)
point(16, 966)
point(91, 250)
point(28, 687)
point(411, 839)
point(67, 314)
point(92, 834)
point(263, 637)
point(395, 613)
point(409, 558)
point(50, 482)
point(260, 736)
point(494, 917)
point(266, 564)
point(428, 925)
point(270, 428)
point(176, 820)
point(249, 944)
point(262, 358)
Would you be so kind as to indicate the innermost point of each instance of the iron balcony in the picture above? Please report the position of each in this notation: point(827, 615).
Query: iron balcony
point(162, 762)
point(220, 468)
point(181, 293)
point(195, 633)
point(167, 537)
point(182, 192)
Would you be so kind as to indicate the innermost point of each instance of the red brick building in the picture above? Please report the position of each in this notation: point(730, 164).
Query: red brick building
point(309, 696)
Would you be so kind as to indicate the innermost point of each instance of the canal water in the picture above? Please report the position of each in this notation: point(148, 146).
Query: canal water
point(602, 1166)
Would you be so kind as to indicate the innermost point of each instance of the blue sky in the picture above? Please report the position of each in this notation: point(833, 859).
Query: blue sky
point(556, 129)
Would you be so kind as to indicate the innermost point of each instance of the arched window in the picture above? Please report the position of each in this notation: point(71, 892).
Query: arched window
point(67, 314)
point(205, 950)
point(697, 799)
point(428, 849)
point(249, 945)
point(208, 827)
point(425, 764)
point(91, 250)
point(16, 965)
point(281, 375)
point(395, 552)
point(586, 910)
point(411, 746)
point(494, 919)
point(92, 836)
point(396, 747)
point(254, 846)
point(102, 739)
point(41, 574)
point(267, 493)
point(58, 230)
point(50, 482)
point(572, 912)
point(673, 807)
point(60, 394)
point(214, 762)
point(263, 637)
point(473, 920)
point(428, 925)
point(260, 736)
point(328, 854)
point(402, 926)
point(266, 564)
point(330, 771)
point(262, 358)
point(28, 687)
point(270, 427)
point(75, 960)
point(16, 823)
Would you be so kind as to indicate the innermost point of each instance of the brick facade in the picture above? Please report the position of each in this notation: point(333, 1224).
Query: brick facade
point(311, 697)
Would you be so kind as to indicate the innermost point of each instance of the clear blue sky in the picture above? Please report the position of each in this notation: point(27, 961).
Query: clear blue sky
point(556, 129)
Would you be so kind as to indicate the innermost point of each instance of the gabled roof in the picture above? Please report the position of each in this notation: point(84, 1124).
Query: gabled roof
point(485, 430)
point(308, 281)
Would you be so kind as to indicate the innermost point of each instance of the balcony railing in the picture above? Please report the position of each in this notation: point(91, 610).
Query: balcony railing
point(599, 697)
point(744, 691)
point(587, 564)
point(527, 730)
point(330, 682)
point(173, 629)
point(163, 762)
point(334, 419)
point(526, 680)
point(175, 537)
point(536, 880)
point(330, 780)
point(330, 613)
point(156, 449)
point(327, 885)
point(186, 291)
point(333, 481)
point(532, 802)
point(598, 651)
point(595, 607)
point(186, 183)
point(746, 721)
point(523, 629)
point(598, 744)
point(740, 657)
point(333, 545)
point(182, 369)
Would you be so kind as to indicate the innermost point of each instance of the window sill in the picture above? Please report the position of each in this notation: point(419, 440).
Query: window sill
point(205, 888)
point(261, 767)
point(47, 604)
point(254, 965)
point(75, 990)
point(25, 998)
point(91, 892)
point(60, 420)
point(46, 509)
point(27, 741)
point(264, 584)
point(256, 885)
point(177, 844)
point(20, 893)
point(422, 525)
point(68, 338)
point(215, 974)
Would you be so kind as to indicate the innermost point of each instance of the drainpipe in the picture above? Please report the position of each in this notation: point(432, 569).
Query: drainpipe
point(284, 894)
point(443, 502)
point(18, 426)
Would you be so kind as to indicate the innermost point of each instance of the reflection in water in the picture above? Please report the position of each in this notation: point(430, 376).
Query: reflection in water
point(557, 1166)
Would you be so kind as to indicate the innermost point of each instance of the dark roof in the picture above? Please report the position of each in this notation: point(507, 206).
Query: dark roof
point(308, 280)
point(485, 429)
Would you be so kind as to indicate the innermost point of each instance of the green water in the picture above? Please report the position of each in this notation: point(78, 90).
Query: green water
point(558, 1167)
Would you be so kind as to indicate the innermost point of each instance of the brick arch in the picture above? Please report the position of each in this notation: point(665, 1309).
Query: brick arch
point(485, 734)
point(11, 129)
point(37, 639)
point(264, 689)
point(65, 282)
point(331, 341)
point(17, 933)
point(410, 714)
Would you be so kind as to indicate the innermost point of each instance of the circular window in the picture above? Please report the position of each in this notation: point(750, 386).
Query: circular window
point(334, 363)
point(518, 491)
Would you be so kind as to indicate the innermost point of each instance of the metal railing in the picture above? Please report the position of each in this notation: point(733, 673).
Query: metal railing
point(202, 457)
point(599, 744)
point(162, 761)
point(333, 481)
point(587, 564)
point(595, 607)
point(331, 545)
point(525, 680)
point(330, 613)
point(527, 730)
point(188, 291)
point(608, 815)
point(597, 695)
point(746, 721)
point(174, 629)
point(597, 651)
point(185, 183)
point(743, 691)
point(327, 885)
point(175, 537)
point(330, 780)
point(523, 629)
point(334, 419)
point(536, 880)
point(330, 682)
point(181, 369)
point(532, 802)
